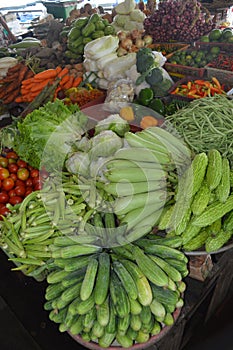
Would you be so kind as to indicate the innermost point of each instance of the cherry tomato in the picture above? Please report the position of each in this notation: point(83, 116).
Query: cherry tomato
point(38, 186)
point(4, 211)
point(30, 167)
point(29, 190)
point(8, 184)
point(20, 191)
point(23, 173)
point(13, 176)
point(19, 182)
point(34, 173)
point(15, 200)
point(21, 163)
point(29, 182)
point(3, 161)
point(13, 168)
point(4, 173)
point(11, 193)
point(12, 155)
point(12, 161)
point(4, 197)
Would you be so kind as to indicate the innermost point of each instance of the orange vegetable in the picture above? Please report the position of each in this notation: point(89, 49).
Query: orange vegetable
point(77, 81)
point(58, 69)
point(148, 121)
point(38, 86)
point(69, 83)
point(64, 79)
point(46, 74)
point(63, 72)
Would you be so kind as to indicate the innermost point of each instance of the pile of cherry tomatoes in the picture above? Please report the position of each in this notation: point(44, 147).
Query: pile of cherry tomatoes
point(17, 180)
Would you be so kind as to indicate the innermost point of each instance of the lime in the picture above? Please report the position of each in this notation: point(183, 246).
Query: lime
point(215, 49)
point(215, 35)
point(205, 38)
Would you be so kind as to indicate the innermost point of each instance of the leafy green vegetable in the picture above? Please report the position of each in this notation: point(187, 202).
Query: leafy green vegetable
point(115, 123)
point(47, 134)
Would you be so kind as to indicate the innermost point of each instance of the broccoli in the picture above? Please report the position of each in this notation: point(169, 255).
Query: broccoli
point(154, 76)
point(144, 59)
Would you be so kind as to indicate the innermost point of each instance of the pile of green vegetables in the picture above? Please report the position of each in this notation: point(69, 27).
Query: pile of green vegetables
point(89, 231)
point(205, 124)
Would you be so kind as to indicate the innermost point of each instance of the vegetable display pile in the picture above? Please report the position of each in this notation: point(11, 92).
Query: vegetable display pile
point(11, 83)
point(223, 61)
point(90, 230)
point(203, 211)
point(17, 180)
point(206, 123)
point(199, 88)
point(178, 20)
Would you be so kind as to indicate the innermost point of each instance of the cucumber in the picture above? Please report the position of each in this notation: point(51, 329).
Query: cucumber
point(103, 313)
point(88, 283)
point(102, 279)
point(126, 279)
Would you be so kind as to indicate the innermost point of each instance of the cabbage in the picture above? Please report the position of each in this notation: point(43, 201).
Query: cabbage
point(105, 144)
point(125, 7)
point(131, 25)
point(103, 61)
point(78, 163)
point(137, 15)
point(121, 20)
point(119, 66)
point(113, 122)
point(101, 47)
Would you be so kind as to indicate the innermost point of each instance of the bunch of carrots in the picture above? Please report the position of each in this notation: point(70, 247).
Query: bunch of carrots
point(32, 87)
point(10, 85)
point(199, 88)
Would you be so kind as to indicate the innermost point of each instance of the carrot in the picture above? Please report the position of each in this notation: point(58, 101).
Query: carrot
point(64, 80)
point(11, 97)
point(15, 68)
point(38, 86)
point(69, 83)
point(58, 69)
point(29, 74)
point(63, 72)
point(21, 74)
point(77, 81)
point(46, 74)
point(27, 81)
point(19, 99)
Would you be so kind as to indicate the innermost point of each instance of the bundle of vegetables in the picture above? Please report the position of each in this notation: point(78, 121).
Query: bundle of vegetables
point(83, 30)
point(199, 88)
point(132, 41)
point(205, 124)
point(177, 20)
point(139, 176)
point(24, 44)
point(82, 95)
point(203, 211)
point(30, 137)
point(32, 87)
point(120, 295)
point(11, 83)
point(101, 58)
point(128, 17)
point(151, 74)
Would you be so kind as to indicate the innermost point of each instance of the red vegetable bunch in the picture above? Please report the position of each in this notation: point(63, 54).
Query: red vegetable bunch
point(177, 20)
point(17, 180)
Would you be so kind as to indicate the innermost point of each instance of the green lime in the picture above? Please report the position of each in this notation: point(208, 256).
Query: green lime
point(215, 35)
point(205, 39)
point(215, 49)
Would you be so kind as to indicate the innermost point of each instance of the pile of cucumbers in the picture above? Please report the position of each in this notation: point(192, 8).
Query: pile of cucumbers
point(123, 294)
point(83, 30)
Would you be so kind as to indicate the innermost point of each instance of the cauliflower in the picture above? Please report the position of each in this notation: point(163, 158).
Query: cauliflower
point(137, 15)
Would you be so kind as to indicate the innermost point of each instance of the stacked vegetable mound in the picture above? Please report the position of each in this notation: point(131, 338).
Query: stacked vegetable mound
point(106, 282)
point(178, 20)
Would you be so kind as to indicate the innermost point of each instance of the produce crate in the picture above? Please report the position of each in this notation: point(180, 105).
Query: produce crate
point(226, 47)
point(168, 47)
point(60, 9)
point(224, 76)
point(184, 81)
point(182, 71)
